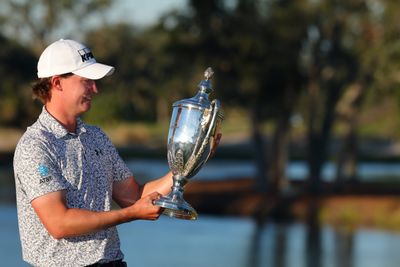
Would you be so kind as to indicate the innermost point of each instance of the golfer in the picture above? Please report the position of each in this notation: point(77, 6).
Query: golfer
point(67, 173)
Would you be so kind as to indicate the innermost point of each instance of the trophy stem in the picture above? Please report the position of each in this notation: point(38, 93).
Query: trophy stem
point(173, 204)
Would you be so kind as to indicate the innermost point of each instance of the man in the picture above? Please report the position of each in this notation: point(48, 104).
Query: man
point(67, 172)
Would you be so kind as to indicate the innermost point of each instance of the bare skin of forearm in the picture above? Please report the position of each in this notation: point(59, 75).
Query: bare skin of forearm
point(128, 191)
point(136, 202)
point(162, 185)
point(62, 222)
point(78, 222)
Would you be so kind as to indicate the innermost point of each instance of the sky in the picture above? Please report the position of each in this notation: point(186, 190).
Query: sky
point(143, 13)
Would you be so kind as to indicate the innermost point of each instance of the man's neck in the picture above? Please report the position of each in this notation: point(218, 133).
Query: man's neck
point(66, 120)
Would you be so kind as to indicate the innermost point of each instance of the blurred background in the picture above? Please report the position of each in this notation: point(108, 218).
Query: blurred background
point(308, 169)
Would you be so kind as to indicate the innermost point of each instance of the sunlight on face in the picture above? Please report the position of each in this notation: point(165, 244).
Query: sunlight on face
point(78, 93)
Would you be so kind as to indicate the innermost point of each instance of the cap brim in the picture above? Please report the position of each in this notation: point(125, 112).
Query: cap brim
point(95, 71)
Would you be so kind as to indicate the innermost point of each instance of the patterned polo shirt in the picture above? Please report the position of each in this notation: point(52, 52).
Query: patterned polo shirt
point(85, 164)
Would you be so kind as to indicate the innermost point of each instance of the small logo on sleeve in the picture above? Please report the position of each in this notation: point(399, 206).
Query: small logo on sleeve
point(44, 173)
point(43, 170)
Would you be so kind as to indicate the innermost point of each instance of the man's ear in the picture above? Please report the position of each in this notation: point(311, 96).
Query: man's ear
point(56, 82)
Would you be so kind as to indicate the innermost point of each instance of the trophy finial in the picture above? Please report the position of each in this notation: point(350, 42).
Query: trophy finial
point(205, 85)
point(208, 73)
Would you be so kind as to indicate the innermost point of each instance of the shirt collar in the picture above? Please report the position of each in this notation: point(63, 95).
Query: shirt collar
point(54, 126)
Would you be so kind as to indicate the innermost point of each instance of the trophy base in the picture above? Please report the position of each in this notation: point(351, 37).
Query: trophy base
point(177, 208)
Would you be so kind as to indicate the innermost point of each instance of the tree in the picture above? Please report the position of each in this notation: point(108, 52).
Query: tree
point(16, 72)
point(28, 26)
point(255, 51)
point(349, 50)
point(145, 82)
point(39, 22)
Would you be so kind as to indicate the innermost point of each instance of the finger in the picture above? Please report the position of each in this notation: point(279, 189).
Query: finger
point(155, 196)
point(218, 139)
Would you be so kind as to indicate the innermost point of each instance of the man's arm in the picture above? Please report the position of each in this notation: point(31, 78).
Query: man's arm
point(61, 221)
point(128, 191)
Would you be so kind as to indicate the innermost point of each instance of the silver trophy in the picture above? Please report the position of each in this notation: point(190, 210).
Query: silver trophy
point(195, 125)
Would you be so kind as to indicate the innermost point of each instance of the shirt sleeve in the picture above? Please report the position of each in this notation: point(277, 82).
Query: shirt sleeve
point(36, 169)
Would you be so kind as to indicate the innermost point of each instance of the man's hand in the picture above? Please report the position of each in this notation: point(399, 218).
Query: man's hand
point(144, 208)
point(215, 144)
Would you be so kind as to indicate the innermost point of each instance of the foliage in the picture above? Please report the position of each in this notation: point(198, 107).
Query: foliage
point(15, 69)
point(144, 78)
point(39, 21)
point(318, 60)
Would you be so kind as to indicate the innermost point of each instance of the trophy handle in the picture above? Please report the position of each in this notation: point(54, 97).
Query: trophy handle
point(216, 116)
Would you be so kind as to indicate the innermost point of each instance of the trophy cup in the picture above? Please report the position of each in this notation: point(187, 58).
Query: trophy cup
point(194, 127)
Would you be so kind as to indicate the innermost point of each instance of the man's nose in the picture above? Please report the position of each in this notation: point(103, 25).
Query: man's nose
point(94, 87)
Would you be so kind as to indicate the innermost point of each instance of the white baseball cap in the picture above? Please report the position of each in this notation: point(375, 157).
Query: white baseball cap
point(65, 56)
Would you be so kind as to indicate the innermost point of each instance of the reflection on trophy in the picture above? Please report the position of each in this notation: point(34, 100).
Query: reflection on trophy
point(194, 127)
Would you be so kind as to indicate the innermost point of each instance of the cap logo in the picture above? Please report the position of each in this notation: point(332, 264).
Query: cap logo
point(85, 54)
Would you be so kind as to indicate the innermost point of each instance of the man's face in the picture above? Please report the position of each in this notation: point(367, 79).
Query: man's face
point(77, 93)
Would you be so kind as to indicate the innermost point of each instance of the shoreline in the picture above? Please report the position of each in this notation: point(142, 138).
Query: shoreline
point(373, 205)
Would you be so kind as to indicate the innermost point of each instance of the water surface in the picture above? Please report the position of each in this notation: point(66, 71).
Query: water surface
point(234, 242)
point(145, 169)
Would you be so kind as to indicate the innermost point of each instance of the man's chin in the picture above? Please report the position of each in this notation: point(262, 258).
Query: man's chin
point(85, 107)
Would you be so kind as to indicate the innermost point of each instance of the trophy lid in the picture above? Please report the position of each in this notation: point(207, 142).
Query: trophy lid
point(200, 100)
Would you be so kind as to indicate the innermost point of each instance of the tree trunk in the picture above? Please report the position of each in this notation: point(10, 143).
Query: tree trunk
point(162, 111)
point(260, 153)
point(279, 157)
point(349, 110)
point(314, 146)
point(280, 143)
point(319, 133)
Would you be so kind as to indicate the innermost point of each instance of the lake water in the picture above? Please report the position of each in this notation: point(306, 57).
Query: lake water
point(231, 169)
point(231, 242)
